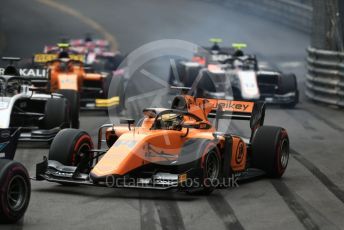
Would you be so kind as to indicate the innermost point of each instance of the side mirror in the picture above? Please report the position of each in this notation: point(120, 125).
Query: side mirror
point(127, 121)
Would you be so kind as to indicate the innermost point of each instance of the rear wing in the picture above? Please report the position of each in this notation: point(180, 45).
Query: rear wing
point(8, 142)
point(27, 71)
point(240, 110)
point(44, 58)
point(236, 110)
point(30, 73)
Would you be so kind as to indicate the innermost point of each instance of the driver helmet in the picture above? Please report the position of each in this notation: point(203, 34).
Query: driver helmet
point(64, 65)
point(215, 49)
point(238, 53)
point(170, 121)
point(63, 54)
point(238, 64)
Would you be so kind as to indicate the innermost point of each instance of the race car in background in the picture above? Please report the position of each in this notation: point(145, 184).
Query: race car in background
point(98, 56)
point(171, 148)
point(14, 179)
point(91, 82)
point(226, 72)
point(26, 102)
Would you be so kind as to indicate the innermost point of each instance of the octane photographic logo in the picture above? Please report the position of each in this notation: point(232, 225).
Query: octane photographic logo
point(114, 182)
point(144, 80)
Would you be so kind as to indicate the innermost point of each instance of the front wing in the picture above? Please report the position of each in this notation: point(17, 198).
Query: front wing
point(54, 171)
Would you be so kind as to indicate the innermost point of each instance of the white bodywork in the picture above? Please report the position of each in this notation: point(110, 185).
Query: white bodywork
point(248, 84)
point(7, 104)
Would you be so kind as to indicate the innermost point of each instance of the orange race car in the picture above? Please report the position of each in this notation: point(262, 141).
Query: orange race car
point(83, 89)
point(171, 148)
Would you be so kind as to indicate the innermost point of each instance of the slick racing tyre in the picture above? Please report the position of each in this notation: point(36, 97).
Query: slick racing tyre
point(210, 168)
point(270, 150)
point(205, 85)
point(70, 147)
point(56, 113)
point(73, 99)
point(288, 84)
point(177, 73)
point(15, 191)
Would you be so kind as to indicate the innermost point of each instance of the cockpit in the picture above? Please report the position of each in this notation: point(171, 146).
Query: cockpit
point(10, 85)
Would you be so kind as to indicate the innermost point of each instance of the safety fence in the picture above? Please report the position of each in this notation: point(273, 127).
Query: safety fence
point(325, 77)
point(294, 13)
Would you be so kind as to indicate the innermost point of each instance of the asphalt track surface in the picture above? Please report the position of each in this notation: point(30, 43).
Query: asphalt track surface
point(310, 195)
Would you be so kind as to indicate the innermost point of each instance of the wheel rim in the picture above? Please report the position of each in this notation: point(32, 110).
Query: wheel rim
point(284, 153)
point(17, 193)
point(212, 166)
point(81, 153)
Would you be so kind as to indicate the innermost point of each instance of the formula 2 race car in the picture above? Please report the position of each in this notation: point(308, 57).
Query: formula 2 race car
point(23, 104)
point(14, 179)
point(229, 73)
point(171, 148)
point(84, 89)
point(97, 53)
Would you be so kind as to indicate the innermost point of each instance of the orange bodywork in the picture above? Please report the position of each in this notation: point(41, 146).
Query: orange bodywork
point(144, 145)
point(92, 76)
point(70, 78)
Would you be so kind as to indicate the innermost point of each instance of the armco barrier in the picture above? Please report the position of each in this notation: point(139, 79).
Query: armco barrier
point(325, 77)
point(296, 14)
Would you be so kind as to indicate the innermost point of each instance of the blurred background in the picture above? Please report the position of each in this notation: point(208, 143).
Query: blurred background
point(304, 37)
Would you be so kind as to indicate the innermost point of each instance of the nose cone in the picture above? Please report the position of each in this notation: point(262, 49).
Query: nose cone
point(124, 156)
point(249, 85)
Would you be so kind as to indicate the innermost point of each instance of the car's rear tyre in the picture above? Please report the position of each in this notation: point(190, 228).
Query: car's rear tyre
point(292, 104)
point(288, 84)
point(210, 164)
point(56, 113)
point(177, 73)
point(117, 61)
point(73, 99)
point(205, 84)
point(15, 191)
point(70, 147)
point(270, 150)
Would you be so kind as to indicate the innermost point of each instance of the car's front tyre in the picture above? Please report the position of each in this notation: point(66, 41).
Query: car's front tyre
point(15, 191)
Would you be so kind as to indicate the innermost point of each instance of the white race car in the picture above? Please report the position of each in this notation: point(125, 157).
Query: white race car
point(40, 115)
point(230, 74)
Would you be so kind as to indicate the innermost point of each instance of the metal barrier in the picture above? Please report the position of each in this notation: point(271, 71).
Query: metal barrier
point(325, 77)
point(296, 14)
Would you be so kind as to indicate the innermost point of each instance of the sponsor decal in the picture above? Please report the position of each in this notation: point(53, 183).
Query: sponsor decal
point(24, 72)
point(220, 57)
point(43, 58)
point(234, 106)
point(33, 72)
point(239, 155)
